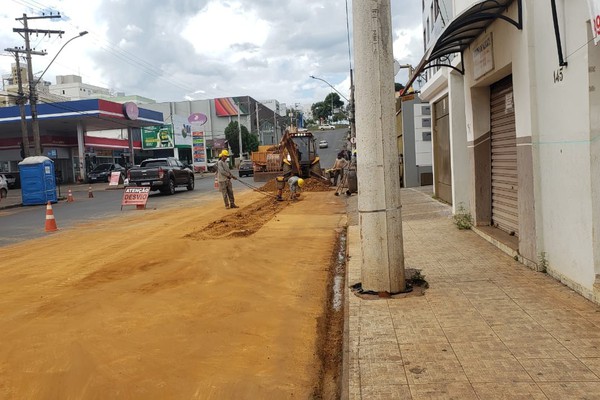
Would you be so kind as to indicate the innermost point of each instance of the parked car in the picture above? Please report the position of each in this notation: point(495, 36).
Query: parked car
point(10, 179)
point(323, 144)
point(163, 174)
point(246, 168)
point(211, 165)
point(102, 172)
point(324, 127)
point(3, 187)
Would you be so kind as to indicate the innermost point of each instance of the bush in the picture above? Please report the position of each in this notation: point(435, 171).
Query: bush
point(462, 218)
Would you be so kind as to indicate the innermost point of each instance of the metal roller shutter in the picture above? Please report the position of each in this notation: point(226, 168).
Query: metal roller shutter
point(505, 187)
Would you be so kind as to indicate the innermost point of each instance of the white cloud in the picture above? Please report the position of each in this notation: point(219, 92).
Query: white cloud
point(221, 26)
point(193, 49)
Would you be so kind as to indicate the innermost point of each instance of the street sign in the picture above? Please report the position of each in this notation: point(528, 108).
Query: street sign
point(135, 196)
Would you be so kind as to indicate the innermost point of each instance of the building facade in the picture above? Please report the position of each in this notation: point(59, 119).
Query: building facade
point(519, 108)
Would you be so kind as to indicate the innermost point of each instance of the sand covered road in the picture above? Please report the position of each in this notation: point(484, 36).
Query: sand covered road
point(156, 305)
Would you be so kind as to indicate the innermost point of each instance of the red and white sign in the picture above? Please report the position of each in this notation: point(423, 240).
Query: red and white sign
point(595, 19)
point(114, 178)
point(135, 196)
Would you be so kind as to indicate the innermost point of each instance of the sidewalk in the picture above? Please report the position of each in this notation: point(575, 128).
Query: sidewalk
point(487, 328)
point(14, 198)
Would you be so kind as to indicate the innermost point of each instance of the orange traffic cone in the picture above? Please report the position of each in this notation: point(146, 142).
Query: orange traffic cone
point(90, 194)
point(216, 183)
point(70, 198)
point(50, 221)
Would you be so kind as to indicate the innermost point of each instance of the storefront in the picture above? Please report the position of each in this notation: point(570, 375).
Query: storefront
point(67, 134)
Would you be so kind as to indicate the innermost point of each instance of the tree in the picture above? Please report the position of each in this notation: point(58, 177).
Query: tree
point(323, 110)
point(320, 111)
point(249, 140)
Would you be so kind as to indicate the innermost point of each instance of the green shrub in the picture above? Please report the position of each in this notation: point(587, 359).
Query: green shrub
point(462, 218)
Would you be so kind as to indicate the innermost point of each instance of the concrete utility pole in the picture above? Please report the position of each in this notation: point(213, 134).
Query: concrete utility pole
point(25, 31)
point(379, 205)
point(21, 100)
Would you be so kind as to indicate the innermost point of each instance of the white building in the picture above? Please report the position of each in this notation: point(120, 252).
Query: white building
point(519, 109)
point(72, 87)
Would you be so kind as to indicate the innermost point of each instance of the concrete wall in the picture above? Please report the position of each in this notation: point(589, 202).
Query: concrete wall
point(563, 143)
point(557, 127)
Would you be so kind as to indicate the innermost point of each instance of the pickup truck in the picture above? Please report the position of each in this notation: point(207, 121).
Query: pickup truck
point(163, 174)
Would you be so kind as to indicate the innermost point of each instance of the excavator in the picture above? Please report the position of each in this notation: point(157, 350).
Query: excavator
point(296, 154)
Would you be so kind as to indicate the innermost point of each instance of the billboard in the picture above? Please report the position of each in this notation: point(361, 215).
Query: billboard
point(182, 130)
point(158, 137)
point(229, 106)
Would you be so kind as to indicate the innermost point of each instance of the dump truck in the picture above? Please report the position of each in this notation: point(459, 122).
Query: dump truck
point(296, 154)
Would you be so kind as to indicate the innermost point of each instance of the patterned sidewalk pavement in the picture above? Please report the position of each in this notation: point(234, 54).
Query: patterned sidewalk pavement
point(487, 327)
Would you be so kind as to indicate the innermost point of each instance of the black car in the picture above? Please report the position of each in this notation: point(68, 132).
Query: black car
point(246, 168)
point(102, 172)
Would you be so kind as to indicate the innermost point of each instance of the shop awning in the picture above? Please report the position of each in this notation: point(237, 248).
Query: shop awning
point(461, 32)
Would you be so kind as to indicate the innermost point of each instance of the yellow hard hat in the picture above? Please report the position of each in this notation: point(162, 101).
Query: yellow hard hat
point(224, 153)
point(300, 182)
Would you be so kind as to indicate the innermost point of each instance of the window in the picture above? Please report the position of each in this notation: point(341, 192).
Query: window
point(426, 110)
point(426, 136)
point(426, 122)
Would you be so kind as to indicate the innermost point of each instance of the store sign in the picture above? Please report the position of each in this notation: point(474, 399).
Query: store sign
point(483, 56)
point(199, 151)
point(594, 6)
point(158, 137)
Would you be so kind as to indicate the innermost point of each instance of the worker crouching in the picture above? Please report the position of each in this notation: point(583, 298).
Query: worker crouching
point(295, 184)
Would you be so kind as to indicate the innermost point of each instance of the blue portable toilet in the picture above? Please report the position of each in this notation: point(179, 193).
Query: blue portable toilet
point(38, 182)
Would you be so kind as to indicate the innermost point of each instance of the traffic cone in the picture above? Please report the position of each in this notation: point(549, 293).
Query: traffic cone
point(90, 194)
point(70, 198)
point(216, 183)
point(50, 221)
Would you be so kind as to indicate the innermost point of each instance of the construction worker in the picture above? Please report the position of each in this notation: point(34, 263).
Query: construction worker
point(295, 184)
point(224, 178)
point(338, 168)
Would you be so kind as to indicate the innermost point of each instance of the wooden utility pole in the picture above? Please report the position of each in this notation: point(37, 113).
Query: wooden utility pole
point(25, 32)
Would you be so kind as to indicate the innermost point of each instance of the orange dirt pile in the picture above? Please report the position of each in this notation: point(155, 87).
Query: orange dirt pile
point(139, 308)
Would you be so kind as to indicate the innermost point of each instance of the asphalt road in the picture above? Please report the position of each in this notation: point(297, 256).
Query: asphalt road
point(25, 223)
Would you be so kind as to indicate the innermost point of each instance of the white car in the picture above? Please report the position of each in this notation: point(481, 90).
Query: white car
point(3, 187)
point(323, 144)
point(10, 180)
point(323, 127)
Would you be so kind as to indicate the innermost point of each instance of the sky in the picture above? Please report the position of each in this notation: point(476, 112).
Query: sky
point(173, 50)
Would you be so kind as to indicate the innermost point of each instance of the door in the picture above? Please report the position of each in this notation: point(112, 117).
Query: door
point(442, 166)
point(505, 215)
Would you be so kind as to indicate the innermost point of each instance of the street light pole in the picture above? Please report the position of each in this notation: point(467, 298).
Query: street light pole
point(33, 93)
point(350, 102)
point(323, 80)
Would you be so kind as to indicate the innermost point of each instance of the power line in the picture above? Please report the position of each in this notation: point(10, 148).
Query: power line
point(120, 54)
